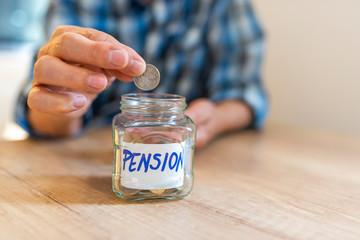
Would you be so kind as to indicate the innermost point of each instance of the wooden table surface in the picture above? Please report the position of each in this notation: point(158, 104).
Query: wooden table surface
point(283, 183)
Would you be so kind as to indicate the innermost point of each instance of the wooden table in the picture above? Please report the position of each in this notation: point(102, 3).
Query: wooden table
point(282, 183)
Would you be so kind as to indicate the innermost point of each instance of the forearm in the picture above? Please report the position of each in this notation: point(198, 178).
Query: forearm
point(232, 115)
point(53, 126)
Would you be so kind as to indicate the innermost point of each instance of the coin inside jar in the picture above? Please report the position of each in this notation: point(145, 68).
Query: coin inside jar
point(149, 79)
point(158, 191)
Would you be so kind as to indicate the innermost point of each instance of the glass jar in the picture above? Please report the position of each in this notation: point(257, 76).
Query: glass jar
point(154, 144)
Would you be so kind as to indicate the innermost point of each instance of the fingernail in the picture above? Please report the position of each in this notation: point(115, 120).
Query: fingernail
point(119, 58)
point(97, 82)
point(137, 67)
point(79, 101)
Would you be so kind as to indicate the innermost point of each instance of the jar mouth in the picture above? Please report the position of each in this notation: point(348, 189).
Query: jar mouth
point(152, 96)
point(152, 102)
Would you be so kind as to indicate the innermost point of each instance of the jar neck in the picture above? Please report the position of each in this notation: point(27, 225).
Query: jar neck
point(153, 105)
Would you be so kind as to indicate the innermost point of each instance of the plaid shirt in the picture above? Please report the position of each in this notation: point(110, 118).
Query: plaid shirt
point(202, 48)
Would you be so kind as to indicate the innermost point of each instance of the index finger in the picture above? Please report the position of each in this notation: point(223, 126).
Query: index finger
point(105, 52)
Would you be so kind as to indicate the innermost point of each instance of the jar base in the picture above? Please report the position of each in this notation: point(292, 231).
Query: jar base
point(144, 195)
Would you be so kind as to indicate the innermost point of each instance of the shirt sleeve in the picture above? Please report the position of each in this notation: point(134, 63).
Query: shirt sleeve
point(21, 107)
point(62, 12)
point(236, 45)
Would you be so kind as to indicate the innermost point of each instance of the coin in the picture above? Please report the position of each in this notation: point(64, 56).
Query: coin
point(149, 79)
point(158, 191)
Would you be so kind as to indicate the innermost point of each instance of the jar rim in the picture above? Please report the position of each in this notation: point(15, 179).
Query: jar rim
point(152, 102)
point(153, 96)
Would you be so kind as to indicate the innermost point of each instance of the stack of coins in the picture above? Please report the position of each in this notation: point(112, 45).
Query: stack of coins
point(149, 79)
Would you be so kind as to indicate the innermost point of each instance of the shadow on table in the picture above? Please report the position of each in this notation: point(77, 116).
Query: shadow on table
point(67, 190)
point(71, 175)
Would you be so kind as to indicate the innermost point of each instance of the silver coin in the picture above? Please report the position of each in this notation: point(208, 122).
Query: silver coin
point(149, 79)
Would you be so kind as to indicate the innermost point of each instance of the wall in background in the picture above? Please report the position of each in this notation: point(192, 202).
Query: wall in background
point(312, 68)
point(21, 20)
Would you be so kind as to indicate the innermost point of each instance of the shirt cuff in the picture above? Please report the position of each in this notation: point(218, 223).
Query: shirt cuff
point(21, 109)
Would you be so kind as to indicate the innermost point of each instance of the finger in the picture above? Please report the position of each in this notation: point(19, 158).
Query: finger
point(89, 33)
point(43, 99)
point(120, 76)
point(110, 78)
point(200, 111)
point(76, 48)
point(206, 132)
point(201, 137)
point(49, 70)
point(96, 35)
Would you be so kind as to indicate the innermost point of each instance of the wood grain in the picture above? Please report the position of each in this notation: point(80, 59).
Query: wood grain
point(283, 183)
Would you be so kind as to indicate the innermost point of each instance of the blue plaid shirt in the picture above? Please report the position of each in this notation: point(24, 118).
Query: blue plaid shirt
point(202, 48)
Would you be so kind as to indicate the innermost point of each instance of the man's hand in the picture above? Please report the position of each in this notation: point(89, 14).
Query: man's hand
point(204, 114)
point(72, 69)
point(212, 120)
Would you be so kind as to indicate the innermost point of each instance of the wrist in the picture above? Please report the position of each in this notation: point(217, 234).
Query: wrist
point(53, 126)
point(232, 115)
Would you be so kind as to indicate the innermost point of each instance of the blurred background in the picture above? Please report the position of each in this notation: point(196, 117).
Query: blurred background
point(311, 67)
point(312, 63)
point(21, 30)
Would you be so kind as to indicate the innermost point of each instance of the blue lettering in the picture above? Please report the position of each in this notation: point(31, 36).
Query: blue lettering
point(156, 158)
point(128, 156)
point(146, 162)
point(173, 161)
point(180, 160)
point(176, 159)
point(164, 163)
point(132, 162)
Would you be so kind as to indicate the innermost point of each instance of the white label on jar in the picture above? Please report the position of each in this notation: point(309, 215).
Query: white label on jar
point(152, 166)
